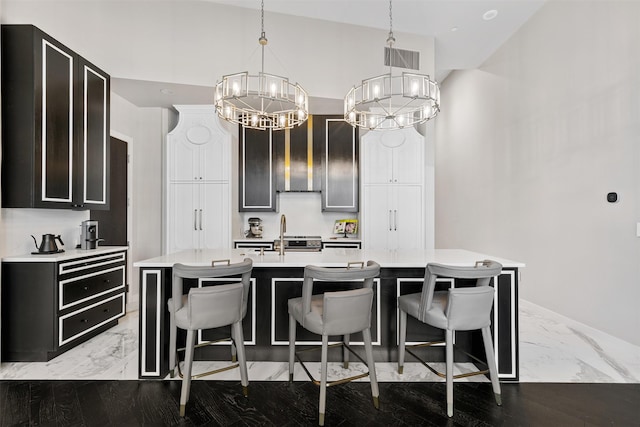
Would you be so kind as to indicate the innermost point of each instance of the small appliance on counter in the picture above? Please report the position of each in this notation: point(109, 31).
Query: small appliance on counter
point(255, 228)
point(300, 243)
point(48, 245)
point(89, 234)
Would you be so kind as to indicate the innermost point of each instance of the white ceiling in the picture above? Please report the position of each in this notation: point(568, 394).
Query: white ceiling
point(464, 40)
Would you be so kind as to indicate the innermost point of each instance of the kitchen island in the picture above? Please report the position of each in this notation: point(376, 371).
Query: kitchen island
point(277, 278)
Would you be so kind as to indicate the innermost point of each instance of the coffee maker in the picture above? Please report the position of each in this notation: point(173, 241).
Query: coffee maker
point(89, 234)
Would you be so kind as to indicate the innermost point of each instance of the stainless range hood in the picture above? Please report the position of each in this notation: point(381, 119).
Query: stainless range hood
point(298, 159)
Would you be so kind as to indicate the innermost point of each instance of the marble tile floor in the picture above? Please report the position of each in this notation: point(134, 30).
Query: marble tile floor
point(553, 348)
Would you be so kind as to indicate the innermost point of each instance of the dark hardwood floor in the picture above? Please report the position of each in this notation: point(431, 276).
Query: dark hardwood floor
point(155, 403)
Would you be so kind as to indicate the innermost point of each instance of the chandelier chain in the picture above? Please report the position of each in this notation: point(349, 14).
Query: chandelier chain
point(262, 18)
point(390, 39)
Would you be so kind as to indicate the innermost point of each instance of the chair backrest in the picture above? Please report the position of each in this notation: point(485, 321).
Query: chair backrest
point(482, 272)
point(344, 311)
point(182, 271)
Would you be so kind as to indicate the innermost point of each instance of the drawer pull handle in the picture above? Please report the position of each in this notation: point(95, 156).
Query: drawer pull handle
point(84, 321)
point(86, 288)
point(107, 281)
point(106, 310)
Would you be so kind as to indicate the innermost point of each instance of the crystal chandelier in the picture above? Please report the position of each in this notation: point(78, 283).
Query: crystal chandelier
point(390, 102)
point(263, 101)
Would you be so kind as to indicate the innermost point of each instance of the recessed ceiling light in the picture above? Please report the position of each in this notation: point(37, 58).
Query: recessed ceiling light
point(490, 14)
point(454, 29)
point(166, 91)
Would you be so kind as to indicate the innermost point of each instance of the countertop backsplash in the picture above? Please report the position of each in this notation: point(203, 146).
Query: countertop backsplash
point(17, 226)
point(304, 215)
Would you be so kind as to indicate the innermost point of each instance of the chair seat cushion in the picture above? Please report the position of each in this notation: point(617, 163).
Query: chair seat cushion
point(313, 320)
point(435, 316)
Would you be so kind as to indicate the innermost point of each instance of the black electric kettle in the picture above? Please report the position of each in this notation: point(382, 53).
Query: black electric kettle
point(48, 244)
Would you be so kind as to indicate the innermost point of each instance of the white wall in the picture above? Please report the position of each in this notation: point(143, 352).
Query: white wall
point(196, 42)
point(529, 145)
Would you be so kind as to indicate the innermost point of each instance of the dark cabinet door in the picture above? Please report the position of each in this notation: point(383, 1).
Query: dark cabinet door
point(339, 143)
point(37, 119)
point(92, 180)
point(53, 113)
point(257, 186)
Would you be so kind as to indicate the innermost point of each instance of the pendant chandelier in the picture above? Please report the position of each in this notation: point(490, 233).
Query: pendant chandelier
point(262, 101)
point(390, 102)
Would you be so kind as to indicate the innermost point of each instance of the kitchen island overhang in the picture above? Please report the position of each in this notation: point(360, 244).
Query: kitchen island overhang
point(277, 278)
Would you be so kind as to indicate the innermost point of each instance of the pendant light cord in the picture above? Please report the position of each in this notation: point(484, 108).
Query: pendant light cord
point(263, 39)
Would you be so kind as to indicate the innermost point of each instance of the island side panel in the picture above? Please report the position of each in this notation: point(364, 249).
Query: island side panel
point(153, 352)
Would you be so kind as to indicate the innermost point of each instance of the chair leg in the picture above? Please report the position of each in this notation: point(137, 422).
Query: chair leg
point(234, 351)
point(491, 361)
point(172, 346)
point(345, 353)
point(375, 393)
point(292, 345)
point(403, 336)
point(238, 337)
point(186, 379)
point(323, 380)
point(449, 373)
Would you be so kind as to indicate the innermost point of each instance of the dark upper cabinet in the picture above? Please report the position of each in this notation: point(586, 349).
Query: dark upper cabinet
point(319, 155)
point(257, 183)
point(338, 143)
point(55, 124)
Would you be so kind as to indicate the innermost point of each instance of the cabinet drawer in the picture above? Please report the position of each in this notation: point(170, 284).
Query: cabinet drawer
point(80, 322)
point(354, 245)
point(84, 288)
point(256, 245)
point(85, 264)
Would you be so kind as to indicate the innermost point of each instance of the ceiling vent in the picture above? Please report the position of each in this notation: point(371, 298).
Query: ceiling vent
point(402, 58)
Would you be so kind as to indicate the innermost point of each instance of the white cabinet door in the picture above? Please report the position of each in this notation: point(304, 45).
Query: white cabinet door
point(393, 157)
point(377, 219)
point(182, 217)
point(196, 220)
point(198, 153)
point(214, 222)
point(214, 159)
point(183, 159)
point(408, 217)
point(393, 217)
point(408, 159)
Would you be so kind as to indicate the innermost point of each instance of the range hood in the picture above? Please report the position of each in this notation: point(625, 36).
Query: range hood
point(298, 159)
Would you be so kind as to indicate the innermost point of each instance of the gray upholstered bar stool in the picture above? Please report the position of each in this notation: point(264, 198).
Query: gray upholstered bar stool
point(341, 312)
point(206, 307)
point(459, 309)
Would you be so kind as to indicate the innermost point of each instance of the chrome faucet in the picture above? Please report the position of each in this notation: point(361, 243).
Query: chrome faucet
point(283, 228)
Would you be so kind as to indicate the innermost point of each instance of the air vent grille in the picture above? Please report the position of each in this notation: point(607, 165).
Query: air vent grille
point(402, 58)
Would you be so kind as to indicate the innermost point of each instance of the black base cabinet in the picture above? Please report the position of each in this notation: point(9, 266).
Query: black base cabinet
point(50, 307)
point(55, 124)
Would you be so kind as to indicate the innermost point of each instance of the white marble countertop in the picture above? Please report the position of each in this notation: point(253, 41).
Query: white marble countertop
point(63, 256)
point(334, 257)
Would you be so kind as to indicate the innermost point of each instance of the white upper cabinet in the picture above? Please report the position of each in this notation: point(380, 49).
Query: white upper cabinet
point(393, 157)
point(198, 147)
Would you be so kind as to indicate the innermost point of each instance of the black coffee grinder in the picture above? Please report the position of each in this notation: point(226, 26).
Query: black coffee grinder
point(89, 234)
